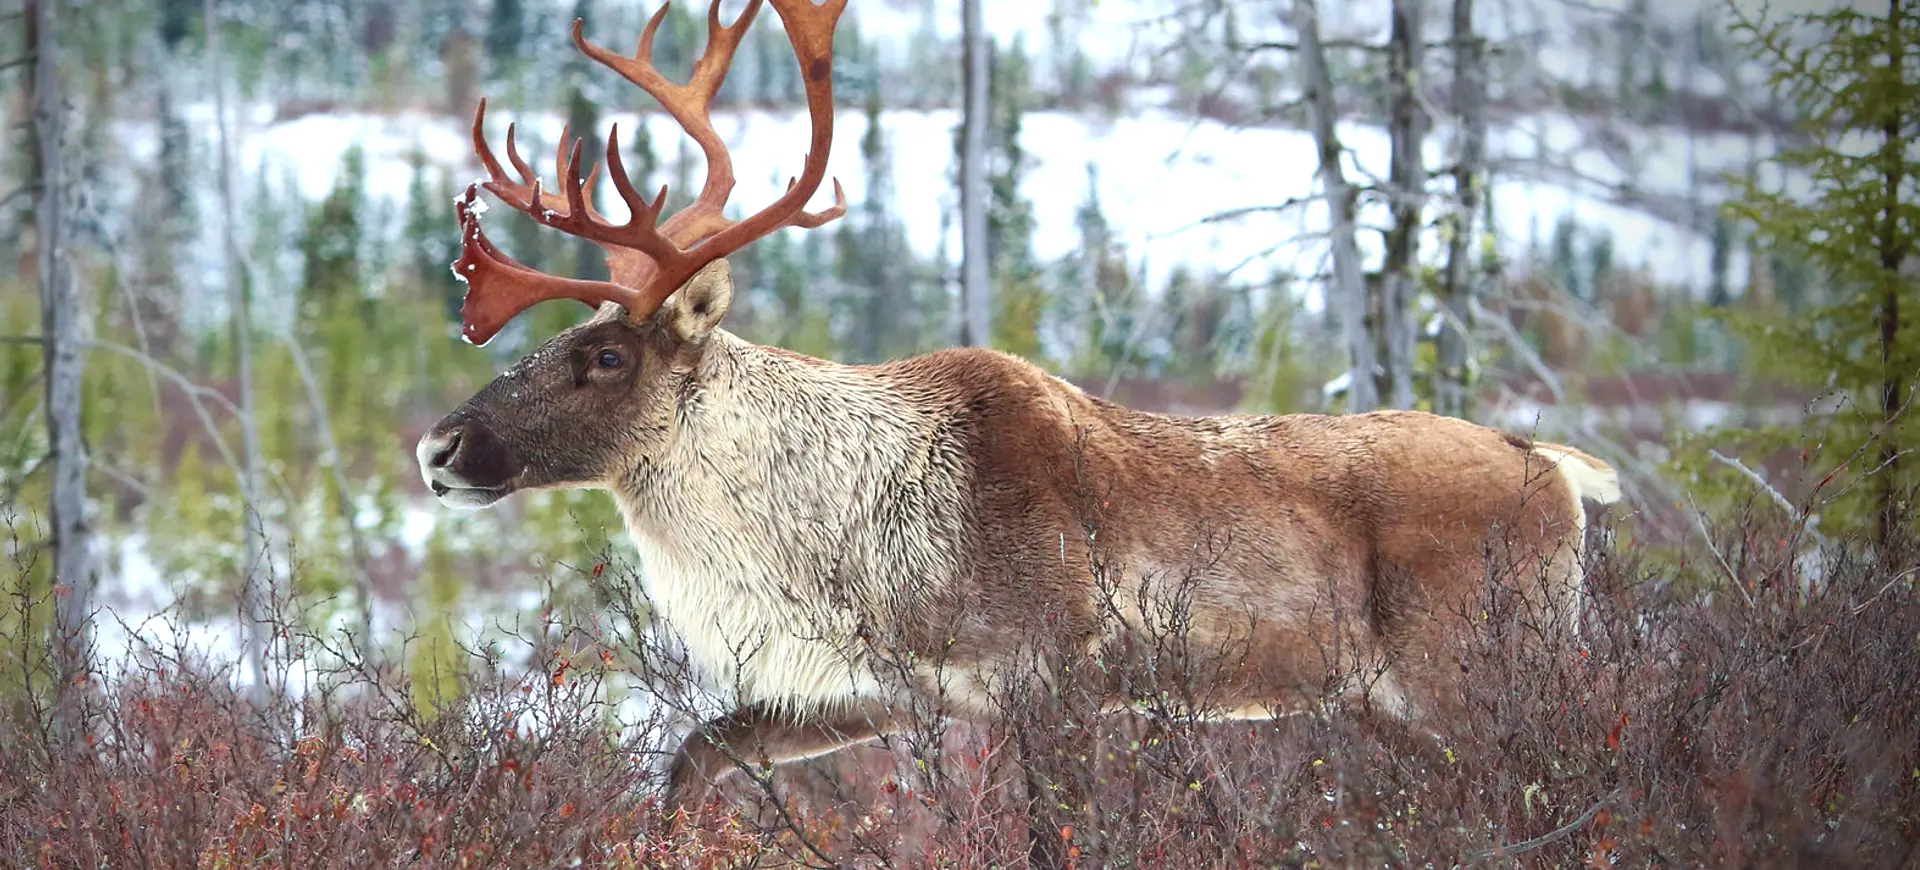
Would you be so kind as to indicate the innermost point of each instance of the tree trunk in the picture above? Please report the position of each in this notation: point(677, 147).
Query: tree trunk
point(1407, 179)
point(977, 326)
point(61, 338)
point(256, 582)
point(1450, 394)
point(357, 552)
point(1893, 250)
point(1350, 290)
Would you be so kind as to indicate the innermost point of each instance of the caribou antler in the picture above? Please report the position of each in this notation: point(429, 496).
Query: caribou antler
point(648, 259)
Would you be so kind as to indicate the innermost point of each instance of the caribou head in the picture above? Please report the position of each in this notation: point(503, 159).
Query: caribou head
point(597, 399)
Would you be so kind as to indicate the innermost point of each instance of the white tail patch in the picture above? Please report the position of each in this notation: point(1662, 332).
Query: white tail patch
point(1587, 479)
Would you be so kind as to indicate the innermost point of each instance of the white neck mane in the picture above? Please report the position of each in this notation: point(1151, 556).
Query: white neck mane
point(788, 497)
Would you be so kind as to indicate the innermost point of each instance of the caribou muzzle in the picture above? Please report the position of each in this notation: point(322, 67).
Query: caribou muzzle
point(465, 463)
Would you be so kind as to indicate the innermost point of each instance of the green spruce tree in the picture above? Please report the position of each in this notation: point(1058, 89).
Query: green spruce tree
point(1856, 84)
point(869, 252)
point(506, 30)
point(1100, 293)
point(583, 123)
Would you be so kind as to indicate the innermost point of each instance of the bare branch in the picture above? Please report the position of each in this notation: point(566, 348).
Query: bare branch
point(28, 189)
point(134, 317)
point(1758, 481)
point(27, 390)
point(1642, 473)
point(1548, 838)
point(195, 394)
point(1334, 44)
point(1269, 251)
point(1525, 351)
point(1733, 577)
point(1235, 213)
point(124, 478)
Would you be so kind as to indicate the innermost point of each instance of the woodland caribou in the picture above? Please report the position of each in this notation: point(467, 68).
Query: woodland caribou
point(802, 521)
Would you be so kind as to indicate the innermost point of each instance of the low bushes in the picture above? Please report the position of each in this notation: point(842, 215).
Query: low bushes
point(1759, 709)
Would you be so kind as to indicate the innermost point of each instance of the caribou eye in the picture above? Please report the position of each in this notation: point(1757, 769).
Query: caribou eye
point(608, 360)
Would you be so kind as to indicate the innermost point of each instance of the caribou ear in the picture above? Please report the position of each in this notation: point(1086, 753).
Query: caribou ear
point(693, 312)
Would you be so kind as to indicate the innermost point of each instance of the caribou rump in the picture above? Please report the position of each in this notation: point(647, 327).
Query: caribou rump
point(831, 541)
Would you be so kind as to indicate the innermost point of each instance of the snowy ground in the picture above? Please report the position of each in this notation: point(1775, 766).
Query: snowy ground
point(1158, 177)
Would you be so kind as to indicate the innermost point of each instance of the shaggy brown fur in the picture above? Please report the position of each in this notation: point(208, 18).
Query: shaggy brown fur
point(927, 527)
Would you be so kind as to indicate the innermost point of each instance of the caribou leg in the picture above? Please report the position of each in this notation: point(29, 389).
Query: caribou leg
point(752, 735)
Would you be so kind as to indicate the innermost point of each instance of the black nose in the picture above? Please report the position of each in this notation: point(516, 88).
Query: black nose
point(446, 450)
point(465, 453)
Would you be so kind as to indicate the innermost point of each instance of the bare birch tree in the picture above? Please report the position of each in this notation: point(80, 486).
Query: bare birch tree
point(977, 321)
point(1457, 293)
point(1406, 189)
point(358, 554)
point(1349, 284)
point(256, 583)
point(63, 356)
point(1894, 244)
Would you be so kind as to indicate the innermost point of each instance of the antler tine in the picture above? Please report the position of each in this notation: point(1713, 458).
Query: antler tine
point(581, 220)
point(593, 179)
point(500, 287)
point(576, 193)
point(509, 192)
point(703, 231)
point(520, 195)
point(689, 104)
point(566, 165)
point(810, 30)
point(480, 147)
point(642, 48)
point(815, 219)
point(527, 176)
point(641, 212)
point(816, 24)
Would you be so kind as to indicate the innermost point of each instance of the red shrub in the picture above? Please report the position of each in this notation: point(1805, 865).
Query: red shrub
point(1771, 722)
